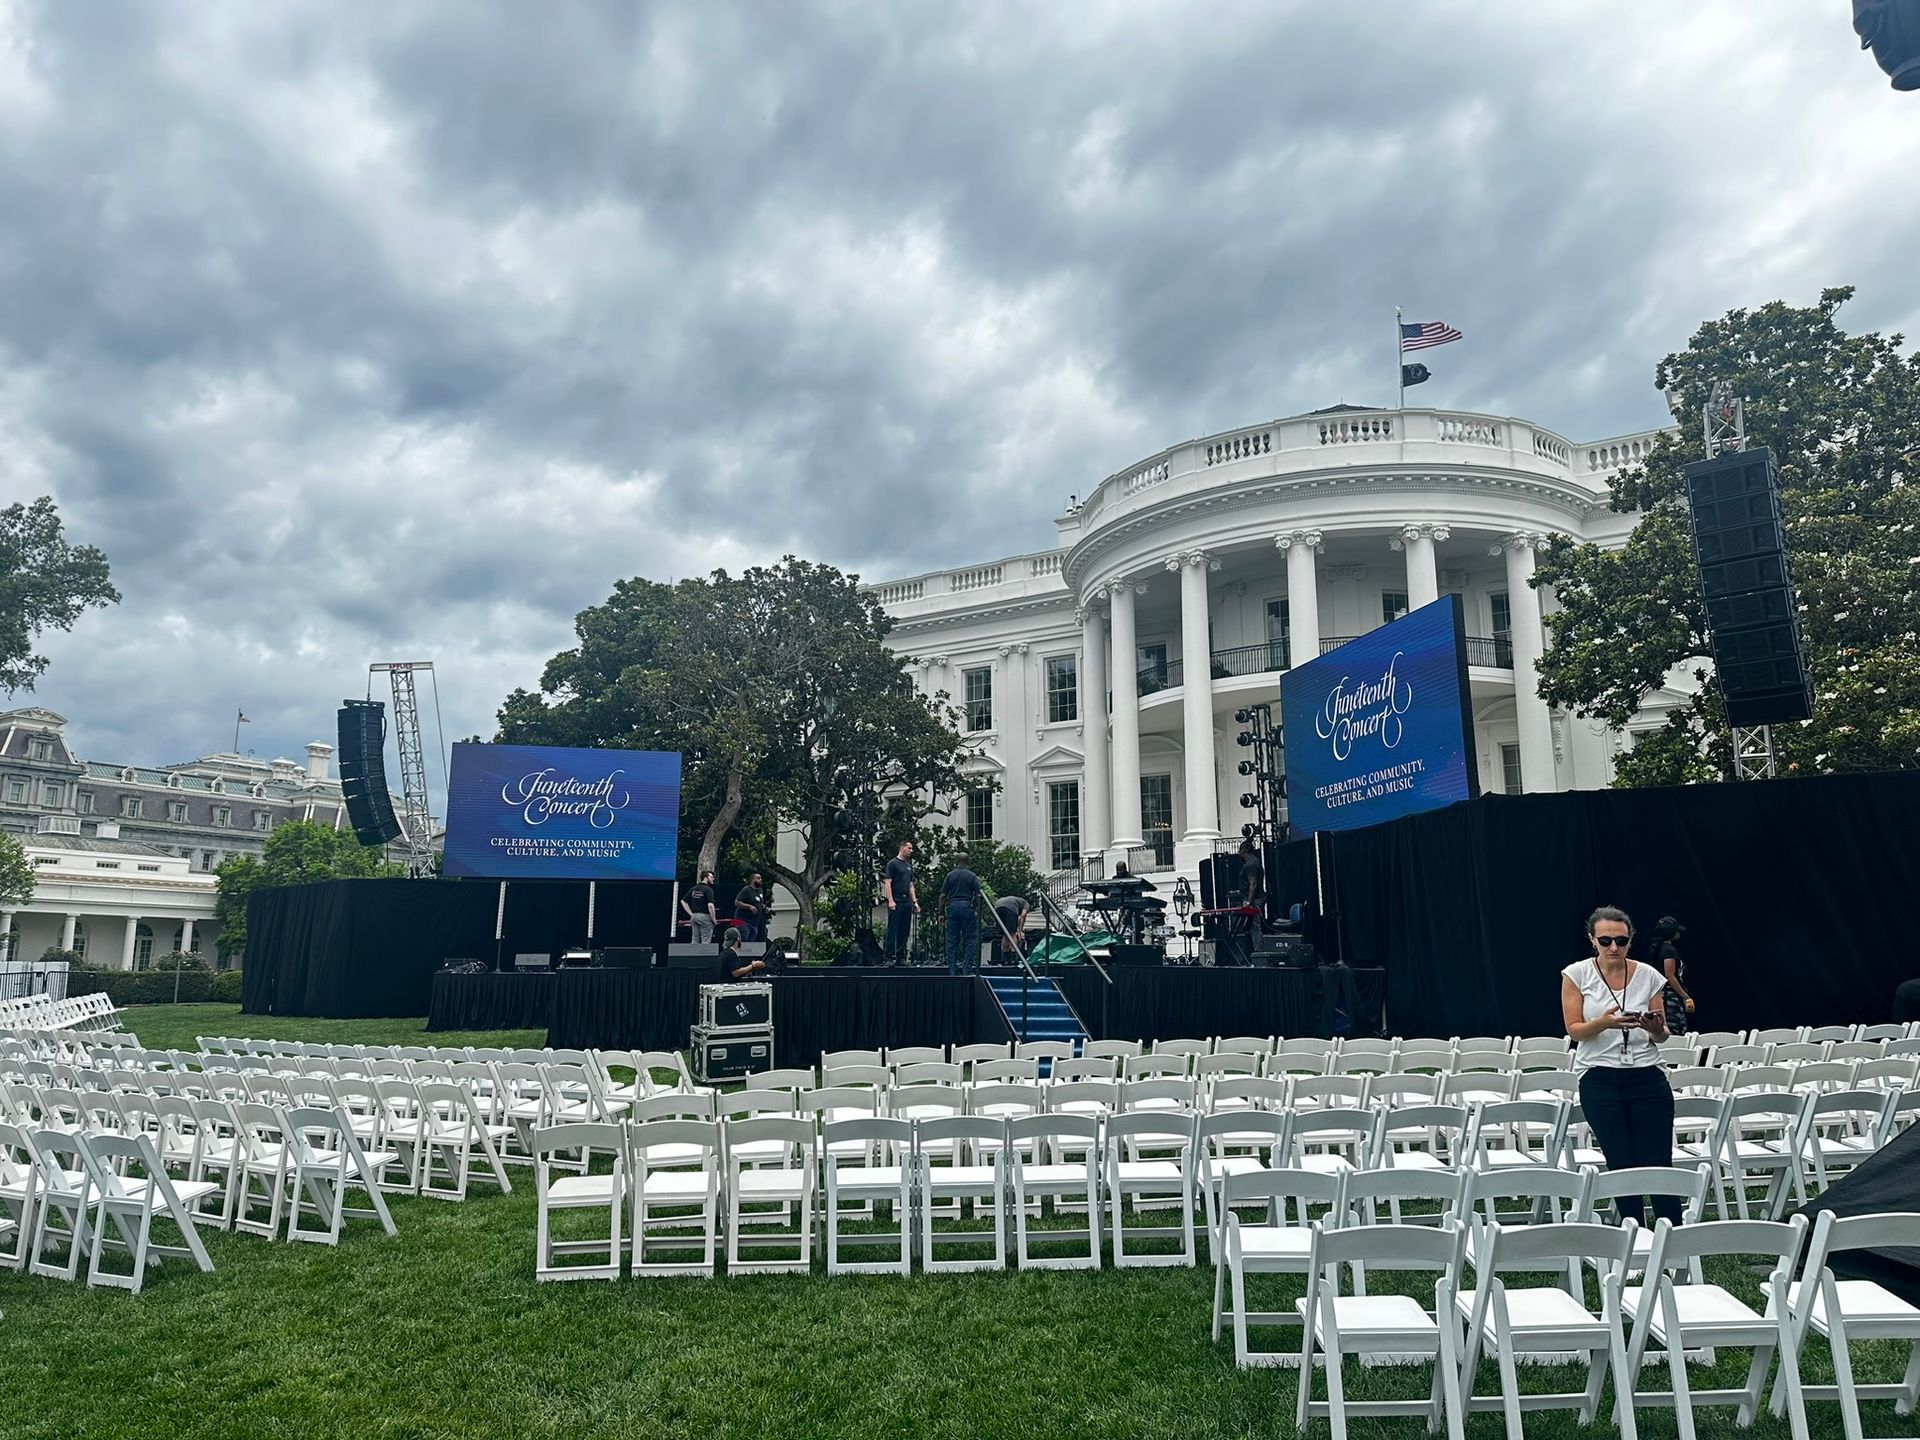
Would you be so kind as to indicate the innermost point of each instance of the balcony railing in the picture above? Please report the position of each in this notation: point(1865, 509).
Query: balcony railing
point(1494, 652)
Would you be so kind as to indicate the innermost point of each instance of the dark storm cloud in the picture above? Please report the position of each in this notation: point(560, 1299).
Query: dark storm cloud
point(367, 332)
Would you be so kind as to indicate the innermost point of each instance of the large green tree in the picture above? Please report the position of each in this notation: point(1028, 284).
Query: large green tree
point(773, 685)
point(16, 874)
point(296, 853)
point(1842, 414)
point(45, 583)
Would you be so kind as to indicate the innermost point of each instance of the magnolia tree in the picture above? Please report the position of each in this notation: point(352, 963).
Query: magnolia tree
point(1842, 414)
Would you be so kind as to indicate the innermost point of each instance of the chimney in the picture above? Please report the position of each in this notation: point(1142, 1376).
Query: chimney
point(318, 754)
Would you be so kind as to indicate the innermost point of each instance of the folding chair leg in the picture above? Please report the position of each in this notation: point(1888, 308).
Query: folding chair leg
point(1616, 1361)
point(1449, 1377)
point(1509, 1377)
point(1911, 1383)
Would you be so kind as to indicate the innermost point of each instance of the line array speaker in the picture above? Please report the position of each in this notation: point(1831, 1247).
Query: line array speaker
point(363, 771)
point(1734, 503)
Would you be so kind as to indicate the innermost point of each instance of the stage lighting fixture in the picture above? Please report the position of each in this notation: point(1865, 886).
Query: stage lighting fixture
point(1249, 800)
point(1249, 830)
point(1242, 716)
point(1246, 767)
point(1247, 737)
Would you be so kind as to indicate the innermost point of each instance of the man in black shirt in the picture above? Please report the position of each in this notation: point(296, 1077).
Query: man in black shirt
point(698, 905)
point(1012, 910)
point(733, 964)
point(960, 893)
point(903, 903)
point(1253, 875)
point(750, 909)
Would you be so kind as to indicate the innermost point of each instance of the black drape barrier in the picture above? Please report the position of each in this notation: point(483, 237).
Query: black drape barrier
point(351, 948)
point(1152, 1002)
point(812, 1010)
point(1796, 894)
point(1885, 1182)
point(491, 1002)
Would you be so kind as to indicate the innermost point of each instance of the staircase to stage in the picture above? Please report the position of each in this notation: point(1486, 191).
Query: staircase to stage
point(1035, 1009)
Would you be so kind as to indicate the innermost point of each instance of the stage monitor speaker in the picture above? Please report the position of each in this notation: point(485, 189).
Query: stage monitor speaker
point(1137, 954)
point(634, 957)
point(1758, 656)
point(363, 772)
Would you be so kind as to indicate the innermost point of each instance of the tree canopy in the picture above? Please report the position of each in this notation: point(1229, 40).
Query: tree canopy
point(773, 685)
point(1842, 415)
point(44, 583)
point(296, 853)
point(16, 874)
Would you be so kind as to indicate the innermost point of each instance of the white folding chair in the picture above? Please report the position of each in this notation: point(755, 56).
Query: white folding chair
point(1698, 1314)
point(1169, 1065)
point(675, 1168)
point(1508, 1321)
point(950, 1137)
point(588, 1190)
point(770, 1161)
point(1337, 1325)
point(868, 1159)
point(1365, 1191)
point(1685, 1183)
point(1763, 1136)
point(1423, 1137)
point(1052, 1139)
point(1259, 1046)
point(65, 1189)
point(452, 1128)
point(1111, 1049)
point(972, 1056)
point(131, 1190)
point(998, 1072)
point(325, 1163)
point(791, 1078)
point(1844, 1311)
point(1164, 1175)
point(1332, 1141)
point(1509, 1134)
point(1423, 1055)
point(839, 1059)
point(1843, 1129)
point(1279, 1246)
point(1231, 1142)
point(916, 1055)
point(1066, 1072)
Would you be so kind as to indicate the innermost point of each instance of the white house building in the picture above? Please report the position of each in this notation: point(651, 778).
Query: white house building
point(119, 903)
point(1100, 678)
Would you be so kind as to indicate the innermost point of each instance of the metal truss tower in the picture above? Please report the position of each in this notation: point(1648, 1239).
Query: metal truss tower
point(416, 811)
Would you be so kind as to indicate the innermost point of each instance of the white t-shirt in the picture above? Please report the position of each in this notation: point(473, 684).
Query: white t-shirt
point(1618, 1049)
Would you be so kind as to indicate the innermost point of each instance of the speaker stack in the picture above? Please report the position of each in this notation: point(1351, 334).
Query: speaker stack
point(1734, 500)
point(363, 772)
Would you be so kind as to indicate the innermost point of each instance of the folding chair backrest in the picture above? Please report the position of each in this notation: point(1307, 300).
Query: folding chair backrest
point(1738, 1055)
point(1699, 1080)
point(1137, 1093)
point(1228, 1062)
point(1821, 1075)
point(1257, 1045)
point(949, 1098)
point(739, 1104)
point(1262, 1129)
point(980, 1053)
point(1535, 1084)
point(1183, 1047)
point(939, 1129)
point(1148, 1067)
point(793, 1133)
point(588, 1135)
point(1104, 1093)
point(1318, 1091)
point(1687, 1183)
point(1564, 1191)
point(787, 1079)
point(917, 1055)
point(650, 1062)
point(1365, 1190)
point(1028, 1099)
point(865, 1130)
point(1829, 1033)
point(995, 1072)
point(1895, 1070)
point(1775, 1035)
point(1387, 1247)
point(673, 1136)
point(675, 1105)
point(1884, 1231)
point(1160, 1125)
point(841, 1101)
point(1044, 1049)
point(835, 1059)
point(1698, 1240)
point(1052, 1125)
point(1334, 1127)
point(1240, 1092)
point(1103, 1067)
point(1281, 1183)
point(930, 1072)
point(1423, 1055)
point(1856, 1050)
point(836, 1076)
point(1541, 1247)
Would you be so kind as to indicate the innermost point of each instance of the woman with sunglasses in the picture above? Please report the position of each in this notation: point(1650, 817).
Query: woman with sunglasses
point(1611, 1006)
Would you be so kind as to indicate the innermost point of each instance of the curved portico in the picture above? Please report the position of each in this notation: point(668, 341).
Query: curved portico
point(1187, 582)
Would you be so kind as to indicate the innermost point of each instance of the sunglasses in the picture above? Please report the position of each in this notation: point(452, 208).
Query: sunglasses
point(1621, 940)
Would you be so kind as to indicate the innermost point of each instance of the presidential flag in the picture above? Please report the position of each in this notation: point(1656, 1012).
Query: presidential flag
point(1426, 336)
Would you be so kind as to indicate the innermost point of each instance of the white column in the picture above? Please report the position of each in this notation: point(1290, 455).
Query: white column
point(126, 945)
point(1523, 604)
point(1203, 797)
point(1423, 571)
point(6, 934)
point(67, 923)
point(1303, 594)
point(186, 936)
point(1126, 720)
point(1096, 807)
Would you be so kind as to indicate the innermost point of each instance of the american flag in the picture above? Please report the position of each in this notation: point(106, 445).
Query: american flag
point(1425, 337)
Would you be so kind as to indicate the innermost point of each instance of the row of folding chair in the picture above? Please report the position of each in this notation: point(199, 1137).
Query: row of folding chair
point(42, 1013)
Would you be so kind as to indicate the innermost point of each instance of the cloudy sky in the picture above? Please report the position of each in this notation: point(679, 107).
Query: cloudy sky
point(358, 332)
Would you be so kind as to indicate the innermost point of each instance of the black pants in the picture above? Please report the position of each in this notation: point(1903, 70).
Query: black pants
point(1631, 1114)
point(899, 929)
point(963, 938)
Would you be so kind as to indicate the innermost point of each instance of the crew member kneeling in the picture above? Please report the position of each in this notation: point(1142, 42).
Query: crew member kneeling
point(733, 964)
point(1611, 1006)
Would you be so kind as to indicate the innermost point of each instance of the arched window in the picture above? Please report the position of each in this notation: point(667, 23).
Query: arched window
point(179, 933)
point(142, 945)
point(80, 938)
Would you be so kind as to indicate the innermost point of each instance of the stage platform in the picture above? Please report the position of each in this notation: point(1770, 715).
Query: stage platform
point(844, 1008)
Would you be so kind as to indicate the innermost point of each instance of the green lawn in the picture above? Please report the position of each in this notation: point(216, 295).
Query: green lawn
point(442, 1331)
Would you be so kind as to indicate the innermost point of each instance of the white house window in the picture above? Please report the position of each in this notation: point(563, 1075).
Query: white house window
point(80, 938)
point(979, 815)
point(1502, 614)
point(130, 807)
point(46, 859)
point(1063, 689)
point(39, 749)
point(1063, 824)
point(177, 811)
point(154, 868)
point(1156, 816)
point(206, 859)
point(52, 792)
point(83, 802)
point(1279, 634)
point(979, 697)
point(1151, 663)
point(1393, 604)
point(106, 864)
point(263, 820)
point(1510, 769)
point(16, 792)
point(142, 947)
point(223, 815)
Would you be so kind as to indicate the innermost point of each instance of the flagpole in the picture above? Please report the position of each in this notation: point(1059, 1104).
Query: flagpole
point(1400, 357)
point(236, 730)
